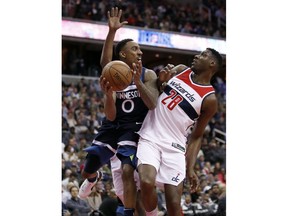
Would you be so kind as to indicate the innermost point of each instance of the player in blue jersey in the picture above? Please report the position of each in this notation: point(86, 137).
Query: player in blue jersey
point(125, 111)
point(163, 156)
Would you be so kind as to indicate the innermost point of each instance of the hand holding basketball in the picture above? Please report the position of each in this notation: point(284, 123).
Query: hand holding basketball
point(118, 74)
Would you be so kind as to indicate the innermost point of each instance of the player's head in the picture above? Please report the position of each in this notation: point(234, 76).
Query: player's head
point(208, 60)
point(128, 51)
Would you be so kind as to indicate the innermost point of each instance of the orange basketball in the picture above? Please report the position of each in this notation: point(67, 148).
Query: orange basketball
point(118, 73)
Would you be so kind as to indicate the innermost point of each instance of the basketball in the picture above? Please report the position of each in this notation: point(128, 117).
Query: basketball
point(118, 73)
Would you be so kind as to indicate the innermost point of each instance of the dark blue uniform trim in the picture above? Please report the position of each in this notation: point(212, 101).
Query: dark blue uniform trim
point(185, 105)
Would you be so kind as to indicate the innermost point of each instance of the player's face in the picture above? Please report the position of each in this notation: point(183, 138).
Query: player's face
point(202, 61)
point(133, 53)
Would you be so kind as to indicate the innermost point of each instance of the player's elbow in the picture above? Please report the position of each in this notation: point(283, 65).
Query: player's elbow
point(110, 117)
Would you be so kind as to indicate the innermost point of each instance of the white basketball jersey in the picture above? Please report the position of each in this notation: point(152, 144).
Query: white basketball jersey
point(178, 107)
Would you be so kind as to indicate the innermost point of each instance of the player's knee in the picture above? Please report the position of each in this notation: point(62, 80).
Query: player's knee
point(147, 183)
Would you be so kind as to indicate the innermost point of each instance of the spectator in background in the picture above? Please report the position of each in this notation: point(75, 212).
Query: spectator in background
point(108, 207)
point(207, 203)
point(107, 189)
point(215, 193)
point(75, 205)
point(221, 211)
point(69, 153)
point(94, 200)
point(83, 120)
point(207, 169)
point(94, 13)
point(100, 114)
point(66, 195)
point(65, 211)
point(165, 15)
point(72, 178)
point(187, 206)
point(71, 119)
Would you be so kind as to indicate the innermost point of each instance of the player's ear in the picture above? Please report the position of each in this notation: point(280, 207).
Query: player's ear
point(212, 63)
point(122, 54)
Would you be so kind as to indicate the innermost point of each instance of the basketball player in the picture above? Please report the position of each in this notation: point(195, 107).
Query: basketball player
point(125, 111)
point(162, 153)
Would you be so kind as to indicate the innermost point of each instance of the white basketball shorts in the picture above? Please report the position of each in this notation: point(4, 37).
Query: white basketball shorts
point(168, 161)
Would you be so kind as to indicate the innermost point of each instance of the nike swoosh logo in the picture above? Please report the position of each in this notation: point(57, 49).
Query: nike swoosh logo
point(139, 122)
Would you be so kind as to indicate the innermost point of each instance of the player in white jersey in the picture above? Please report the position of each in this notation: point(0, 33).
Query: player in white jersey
point(164, 154)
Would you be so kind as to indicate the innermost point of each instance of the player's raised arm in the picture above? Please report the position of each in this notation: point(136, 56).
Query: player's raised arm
point(114, 24)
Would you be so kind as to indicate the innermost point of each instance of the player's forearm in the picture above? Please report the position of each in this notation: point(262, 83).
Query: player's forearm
point(109, 108)
point(107, 51)
point(148, 95)
point(192, 151)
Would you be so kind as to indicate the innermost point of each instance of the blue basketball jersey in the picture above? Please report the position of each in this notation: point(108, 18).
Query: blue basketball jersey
point(129, 105)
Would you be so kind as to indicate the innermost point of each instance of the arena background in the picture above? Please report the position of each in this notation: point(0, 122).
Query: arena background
point(81, 51)
point(31, 54)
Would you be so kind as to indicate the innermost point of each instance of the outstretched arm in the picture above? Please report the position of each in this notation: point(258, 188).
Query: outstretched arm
point(114, 24)
point(208, 110)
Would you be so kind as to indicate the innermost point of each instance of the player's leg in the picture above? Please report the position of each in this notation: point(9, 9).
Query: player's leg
point(140, 210)
point(97, 156)
point(173, 199)
point(172, 173)
point(148, 163)
point(126, 152)
point(147, 175)
point(99, 153)
point(116, 171)
point(129, 185)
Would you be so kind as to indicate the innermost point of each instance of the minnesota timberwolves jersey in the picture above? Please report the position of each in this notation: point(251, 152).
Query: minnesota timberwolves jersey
point(178, 107)
point(129, 105)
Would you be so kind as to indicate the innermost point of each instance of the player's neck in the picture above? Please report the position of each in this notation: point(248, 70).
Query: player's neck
point(202, 79)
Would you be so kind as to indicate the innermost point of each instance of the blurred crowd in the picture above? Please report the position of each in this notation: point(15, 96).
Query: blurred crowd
point(206, 17)
point(82, 115)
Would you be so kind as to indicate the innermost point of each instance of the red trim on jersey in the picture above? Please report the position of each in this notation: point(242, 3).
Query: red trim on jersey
point(202, 90)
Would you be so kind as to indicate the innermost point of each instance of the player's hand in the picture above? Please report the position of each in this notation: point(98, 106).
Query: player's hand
point(105, 86)
point(137, 70)
point(166, 73)
point(114, 17)
point(193, 179)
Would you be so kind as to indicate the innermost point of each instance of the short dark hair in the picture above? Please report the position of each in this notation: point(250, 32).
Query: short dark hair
point(74, 186)
point(217, 56)
point(120, 45)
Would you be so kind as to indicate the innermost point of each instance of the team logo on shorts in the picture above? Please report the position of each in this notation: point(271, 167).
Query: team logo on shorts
point(178, 146)
point(176, 179)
